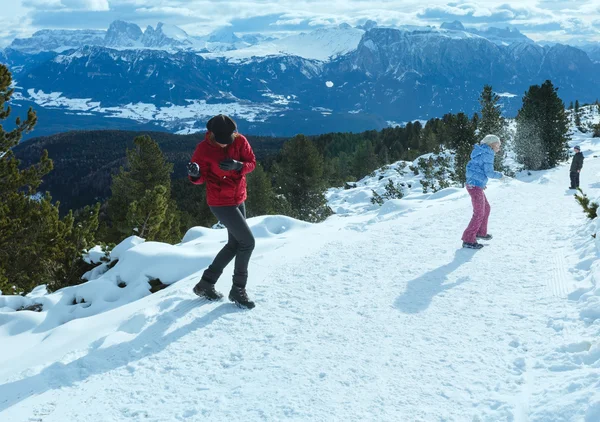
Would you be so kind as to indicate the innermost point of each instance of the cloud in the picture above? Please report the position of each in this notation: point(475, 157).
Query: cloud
point(200, 17)
point(559, 5)
point(473, 13)
point(166, 11)
point(43, 4)
point(94, 5)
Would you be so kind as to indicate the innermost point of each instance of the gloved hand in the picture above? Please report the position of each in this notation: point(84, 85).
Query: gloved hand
point(193, 170)
point(231, 164)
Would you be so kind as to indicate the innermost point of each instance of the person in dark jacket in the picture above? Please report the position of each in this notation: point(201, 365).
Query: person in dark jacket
point(221, 161)
point(576, 166)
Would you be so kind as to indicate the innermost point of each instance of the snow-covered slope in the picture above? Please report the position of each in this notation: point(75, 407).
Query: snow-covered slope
point(375, 314)
point(320, 44)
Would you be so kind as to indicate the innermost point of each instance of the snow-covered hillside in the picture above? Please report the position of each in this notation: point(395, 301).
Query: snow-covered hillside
point(320, 44)
point(375, 314)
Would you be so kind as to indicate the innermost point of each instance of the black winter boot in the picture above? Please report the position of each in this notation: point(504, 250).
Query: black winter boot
point(207, 290)
point(239, 296)
point(486, 237)
point(469, 245)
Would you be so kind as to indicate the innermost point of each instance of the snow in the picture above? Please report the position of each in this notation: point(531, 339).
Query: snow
point(144, 112)
point(174, 32)
point(375, 314)
point(320, 44)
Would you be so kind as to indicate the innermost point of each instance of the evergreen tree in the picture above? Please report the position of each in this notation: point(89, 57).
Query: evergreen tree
point(140, 195)
point(365, 160)
point(460, 137)
point(29, 222)
point(383, 156)
point(260, 193)
point(299, 179)
point(571, 105)
point(146, 215)
point(78, 236)
point(190, 199)
point(475, 119)
point(492, 122)
point(542, 128)
point(577, 115)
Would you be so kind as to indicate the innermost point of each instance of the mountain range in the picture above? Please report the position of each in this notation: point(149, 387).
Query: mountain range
point(331, 79)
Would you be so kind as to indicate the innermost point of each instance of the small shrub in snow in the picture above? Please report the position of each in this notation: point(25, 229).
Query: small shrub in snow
point(596, 133)
point(436, 173)
point(401, 169)
point(36, 307)
point(392, 191)
point(589, 208)
point(377, 199)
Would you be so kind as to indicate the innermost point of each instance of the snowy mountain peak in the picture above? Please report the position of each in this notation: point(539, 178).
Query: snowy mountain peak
point(368, 25)
point(58, 40)
point(166, 36)
point(223, 35)
point(455, 26)
point(320, 44)
point(123, 34)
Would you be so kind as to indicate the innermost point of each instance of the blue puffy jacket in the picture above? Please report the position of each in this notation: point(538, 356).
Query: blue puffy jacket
point(481, 166)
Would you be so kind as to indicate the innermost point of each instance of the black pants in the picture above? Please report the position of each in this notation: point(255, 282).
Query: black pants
point(574, 179)
point(240, 245)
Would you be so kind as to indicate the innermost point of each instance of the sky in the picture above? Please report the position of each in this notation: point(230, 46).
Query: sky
point(573, 21)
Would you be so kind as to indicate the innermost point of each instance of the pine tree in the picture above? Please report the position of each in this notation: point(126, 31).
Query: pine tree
point(492, 122)
point(475, 118)
point(260, 193)
point(299, 179)
point(577, 115)
point(460, 136)
point(140, 195)
point(365, 160)
point(78, 235)
point(147, 214)
point(29, 222)
point(383, 156)
point(190, 200)
point(542, 128)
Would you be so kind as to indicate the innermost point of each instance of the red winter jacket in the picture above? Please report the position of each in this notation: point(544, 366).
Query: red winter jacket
point(223, 188)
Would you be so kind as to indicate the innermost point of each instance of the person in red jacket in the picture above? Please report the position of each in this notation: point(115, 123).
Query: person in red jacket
point(221, 162)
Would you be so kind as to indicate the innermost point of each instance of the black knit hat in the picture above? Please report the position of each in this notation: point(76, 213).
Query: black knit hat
point(577, 148)
point(222, 127)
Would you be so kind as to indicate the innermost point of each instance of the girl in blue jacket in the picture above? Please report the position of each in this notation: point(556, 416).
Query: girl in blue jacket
point(479, 169)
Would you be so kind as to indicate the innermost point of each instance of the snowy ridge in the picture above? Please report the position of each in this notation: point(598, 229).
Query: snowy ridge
point(374, 314)
point(320, 44)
